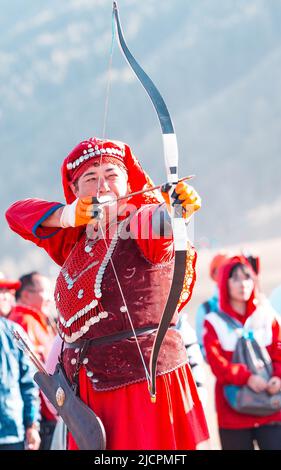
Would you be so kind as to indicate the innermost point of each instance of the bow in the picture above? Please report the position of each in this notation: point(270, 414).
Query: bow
point(177, 221)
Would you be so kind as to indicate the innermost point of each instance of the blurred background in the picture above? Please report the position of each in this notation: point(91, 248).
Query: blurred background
point(217, 64)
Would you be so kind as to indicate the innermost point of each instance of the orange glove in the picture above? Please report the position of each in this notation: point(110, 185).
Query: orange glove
point(81, 212)
point(184, 195)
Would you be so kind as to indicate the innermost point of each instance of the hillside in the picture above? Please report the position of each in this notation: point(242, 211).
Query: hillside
point(218, 65)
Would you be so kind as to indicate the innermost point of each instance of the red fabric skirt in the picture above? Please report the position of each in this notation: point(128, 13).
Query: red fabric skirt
point(131, 421)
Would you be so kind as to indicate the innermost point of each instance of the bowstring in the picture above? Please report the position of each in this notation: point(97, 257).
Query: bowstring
point(109, 77)
point(107, 93)
point(127, 310)
point(105, 118)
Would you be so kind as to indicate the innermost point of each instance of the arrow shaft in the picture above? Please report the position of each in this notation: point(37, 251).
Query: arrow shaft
point(136, 193)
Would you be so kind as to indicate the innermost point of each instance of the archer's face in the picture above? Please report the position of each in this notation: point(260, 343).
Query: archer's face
point(103, 180)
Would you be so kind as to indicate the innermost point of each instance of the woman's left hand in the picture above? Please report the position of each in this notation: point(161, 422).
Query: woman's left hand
point(184, 195)
point(274, 385)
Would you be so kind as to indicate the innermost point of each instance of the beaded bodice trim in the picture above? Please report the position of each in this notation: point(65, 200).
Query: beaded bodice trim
point(78, 292)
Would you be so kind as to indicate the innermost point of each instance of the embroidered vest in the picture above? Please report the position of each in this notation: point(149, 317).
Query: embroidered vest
point(90, 305)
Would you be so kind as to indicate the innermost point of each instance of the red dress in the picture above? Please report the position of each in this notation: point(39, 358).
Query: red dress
point(175, 422)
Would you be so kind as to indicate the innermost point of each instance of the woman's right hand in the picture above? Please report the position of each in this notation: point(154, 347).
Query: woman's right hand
point(257, 383)
point(81, 212)
point(274, 385)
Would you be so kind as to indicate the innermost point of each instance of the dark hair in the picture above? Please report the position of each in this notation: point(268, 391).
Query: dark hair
point(76, 185)
point(26, 281)
point(254, 262)
point(245, 269)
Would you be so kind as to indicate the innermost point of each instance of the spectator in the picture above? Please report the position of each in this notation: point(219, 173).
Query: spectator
point(210, 305)
point(194, 356)
point(32, 312)
point(7, 295)
point(239, 298)
point(19, 399)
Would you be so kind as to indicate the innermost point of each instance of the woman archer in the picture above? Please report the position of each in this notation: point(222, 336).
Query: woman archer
point(103, 305)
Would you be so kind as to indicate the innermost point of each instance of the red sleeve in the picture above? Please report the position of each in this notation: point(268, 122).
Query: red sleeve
point(225, 371)
point(275, 352)
point(156, 248)
point(20, 320)
point(25, 218)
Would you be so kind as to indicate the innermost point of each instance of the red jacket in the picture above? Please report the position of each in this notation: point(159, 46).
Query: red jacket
point(219, 345)
point(41, 336)
point(35, 324)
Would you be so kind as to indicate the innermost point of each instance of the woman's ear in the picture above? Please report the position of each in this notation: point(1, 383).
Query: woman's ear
point(74, 188)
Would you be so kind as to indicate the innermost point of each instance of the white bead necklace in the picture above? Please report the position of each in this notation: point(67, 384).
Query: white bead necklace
point(102, 268)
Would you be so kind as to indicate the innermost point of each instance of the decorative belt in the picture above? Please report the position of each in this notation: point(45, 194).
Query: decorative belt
point(84, 345)
point(109, 339)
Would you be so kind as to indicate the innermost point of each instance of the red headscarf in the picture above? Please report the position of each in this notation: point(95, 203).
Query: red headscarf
point(11, 284)
point(223, 277)
point(100, 150)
